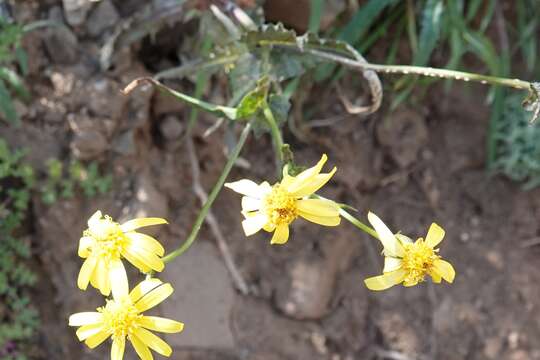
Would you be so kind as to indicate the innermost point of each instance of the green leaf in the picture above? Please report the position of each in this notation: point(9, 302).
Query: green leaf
point(218, 110)
point(254, 100)
point(280, 106)
point(6, 105)
point(430, 31)
point(15, 82)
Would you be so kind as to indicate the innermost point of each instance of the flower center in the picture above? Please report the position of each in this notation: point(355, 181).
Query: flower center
point(280, 206)
point(120, 317)
point(109, 239)
point(417, 261)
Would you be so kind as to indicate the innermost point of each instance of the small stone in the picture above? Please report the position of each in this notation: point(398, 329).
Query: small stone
point(125, 143)
point(203, 301)
point(171, 128)
point(492, 348)
point(88, 145)
point(75, 11)
point(404, 135)
point(103, 17)
point(61, 45)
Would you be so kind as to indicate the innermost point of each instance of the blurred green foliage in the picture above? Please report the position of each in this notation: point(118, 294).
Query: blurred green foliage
point(18, 318)
point(11, 55)
point(518, 144)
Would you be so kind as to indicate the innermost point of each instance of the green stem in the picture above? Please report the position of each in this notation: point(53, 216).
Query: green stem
point(365, 228)
point(215, 191)
point(276, 134)
point(417, 70)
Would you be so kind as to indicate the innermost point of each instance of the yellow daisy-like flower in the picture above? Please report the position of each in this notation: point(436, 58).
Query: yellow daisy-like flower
point(106, 242)
point(121, 318)
point(273, 208)
point(409, 262)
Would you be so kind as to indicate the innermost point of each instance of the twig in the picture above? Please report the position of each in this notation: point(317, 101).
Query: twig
point(239, 282)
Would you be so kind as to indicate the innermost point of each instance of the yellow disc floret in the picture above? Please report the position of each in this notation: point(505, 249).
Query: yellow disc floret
point(280, 206)
point(109, 239)
point(418, 261)
point(120, 317)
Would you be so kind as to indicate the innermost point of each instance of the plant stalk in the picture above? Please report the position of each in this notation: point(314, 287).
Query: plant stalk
point(365, 228)
point(213, 194)
point(276, 135)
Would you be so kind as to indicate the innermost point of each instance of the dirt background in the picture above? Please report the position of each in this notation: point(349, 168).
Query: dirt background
point(307, 299)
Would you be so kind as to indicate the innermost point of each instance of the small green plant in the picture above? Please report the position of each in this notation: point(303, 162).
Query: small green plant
point(518, 144)
point(61, 182)
point(18, 318)
point(11, 53)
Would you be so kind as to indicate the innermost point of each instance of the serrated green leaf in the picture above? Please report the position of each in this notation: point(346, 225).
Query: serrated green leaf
point(280, 106)
point(254, 100)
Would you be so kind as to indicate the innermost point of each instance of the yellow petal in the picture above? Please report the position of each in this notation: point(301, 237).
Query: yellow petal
point(403, 239)
point(153, 342)
point(445, 270)
point(245, 187)
point(434, 236)
point(318, 207)
point(436, 277)
point(85, 243)
point(143, 287)
point(85, 318)
point(100, 278)
point(142, 256)
point(312, 185)
point(281, 234)
point(391, 264)
point(142, 222)
point(251, 204)
point(160, 324)
point(96, 339)
point(254, 223)
point(305, 176)
point(94, 219)
point(117, 349)
point(141, 349)
point(152, 296)
point(392, 247)
point(385, 281)
point(86, 272)
point(136, 261)
point(321, 220)
point(118, 279)
point(146, 242)
point(87, 331)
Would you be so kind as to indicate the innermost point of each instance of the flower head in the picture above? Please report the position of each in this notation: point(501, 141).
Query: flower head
point(121, 318)
point(273, 208)
point(409, 262)
point(106, 242)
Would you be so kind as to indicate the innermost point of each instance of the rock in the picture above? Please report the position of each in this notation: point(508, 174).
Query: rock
point(124, 144)
point(203, 301)
point(309, 291)
point(88, 145)
point(171, 128)
point(61, 45)
point(76, 11)
point(104, 16)
point(404, 135)
point(148, 202)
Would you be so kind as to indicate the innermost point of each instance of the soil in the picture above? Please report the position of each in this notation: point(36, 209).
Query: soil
point(306, 299)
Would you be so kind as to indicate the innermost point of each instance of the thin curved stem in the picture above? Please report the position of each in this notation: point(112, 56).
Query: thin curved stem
point(365, 228)
point(213, 194)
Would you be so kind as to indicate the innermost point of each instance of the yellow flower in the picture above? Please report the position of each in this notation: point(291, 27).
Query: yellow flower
point(121, 318)
point(273, 208)
point(409, 262)
point(106, 242)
